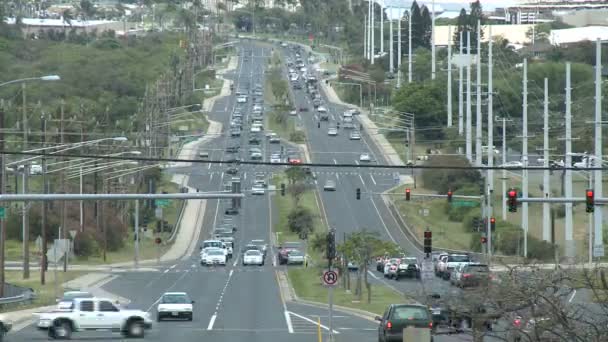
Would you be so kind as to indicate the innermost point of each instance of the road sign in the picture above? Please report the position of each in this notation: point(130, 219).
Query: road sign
point(330, 278)
point(2, 212)
point(427, 270)
point(598, 251)
point(158, 212)
point(457, 203)
point(162, 202)
point(73, 233)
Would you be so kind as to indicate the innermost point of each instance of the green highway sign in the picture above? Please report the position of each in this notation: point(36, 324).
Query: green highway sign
point(2, 212)
point(162, 202)
point(465, 203)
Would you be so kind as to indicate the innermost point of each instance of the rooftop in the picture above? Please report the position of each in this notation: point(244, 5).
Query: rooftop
point(59, 22)
point(578, 34)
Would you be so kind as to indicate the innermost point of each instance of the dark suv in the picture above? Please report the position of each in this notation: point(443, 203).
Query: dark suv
point(400, 316)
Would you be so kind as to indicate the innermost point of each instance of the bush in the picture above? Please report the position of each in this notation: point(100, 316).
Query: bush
point(85, 244)
point(442, 180)
point(475, 243)
point(301, 221)
point(297, 136)
point(467, 221)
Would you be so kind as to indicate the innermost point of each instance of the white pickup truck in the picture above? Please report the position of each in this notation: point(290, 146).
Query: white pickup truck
point(94, 314)
point(446, 265)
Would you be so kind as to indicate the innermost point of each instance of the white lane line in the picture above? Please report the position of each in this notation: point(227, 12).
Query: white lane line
point(362, 181)
point(572, 297)
point(313, 322)
point(372, 274)
point(335, 162)
point(372, 177)
point(211, 322)
point(172, 267)
point(168, 289)
point(288, 320)
point(209, 166)
point(236, 261)
point(167, 270)
point(211, 177)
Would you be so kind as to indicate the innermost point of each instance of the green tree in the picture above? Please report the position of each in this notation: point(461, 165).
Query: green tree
point(301, 221)
point(426, 24)
point(468, 22)
point(426, 100)
point(418, 33)
point(442, 180)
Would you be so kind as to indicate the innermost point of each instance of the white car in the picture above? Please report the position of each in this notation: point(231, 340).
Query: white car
point(330, 185)
point(293, 112)
point(365, 157)
point(255, 129)
point(213, 256)
point(217, 244)
point(332, 131)
point(241, 99)
point(257, 189)
point(391, 267)
point(253, 257)
point(514, 163)
point(174, 305)
point(275, 158)
point(94, 314)
point(296, 257)
point(355, 135)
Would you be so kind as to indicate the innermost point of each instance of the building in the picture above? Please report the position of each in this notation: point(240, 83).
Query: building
point(515, 34)
point(34, 25)
point(565, 37)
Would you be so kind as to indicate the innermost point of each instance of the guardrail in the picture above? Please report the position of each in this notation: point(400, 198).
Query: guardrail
point(16, 295)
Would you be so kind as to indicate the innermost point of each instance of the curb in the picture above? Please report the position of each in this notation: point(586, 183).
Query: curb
point(370, 316)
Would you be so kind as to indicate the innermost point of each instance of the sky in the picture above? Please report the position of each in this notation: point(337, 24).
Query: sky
point(443, 5)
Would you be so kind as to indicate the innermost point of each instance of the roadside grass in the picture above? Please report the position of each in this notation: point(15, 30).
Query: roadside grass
point(189, 123)
point(45, 294)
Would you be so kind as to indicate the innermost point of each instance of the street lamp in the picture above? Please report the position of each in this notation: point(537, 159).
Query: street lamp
point(42, 78)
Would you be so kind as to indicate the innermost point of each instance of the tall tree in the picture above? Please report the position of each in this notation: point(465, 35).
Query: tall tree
point(462, 25)
point(475, 17)
point(426, 25)
point(468, 22)
point(417, 26)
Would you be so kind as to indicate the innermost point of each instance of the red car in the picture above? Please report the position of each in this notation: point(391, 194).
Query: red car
point(295, 161)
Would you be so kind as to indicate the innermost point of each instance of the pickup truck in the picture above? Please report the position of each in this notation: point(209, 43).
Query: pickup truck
point(94, 314)
point(446, 265)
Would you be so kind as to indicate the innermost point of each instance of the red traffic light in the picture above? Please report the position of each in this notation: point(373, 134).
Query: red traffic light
point(407, 194)
point(512, 193)
point(158, 240)
point(449, 195)
point(492, 220)
point(484, 240)
point(590, 200)
point(512, 200)
point(428, 234)
point(590, 193)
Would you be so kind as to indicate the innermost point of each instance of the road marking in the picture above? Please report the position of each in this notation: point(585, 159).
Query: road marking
point(211, 322)
point(172, 267)
point(335, 162)
point(288, 320)
point(373, 275)
point(209, 166)
point(313, 322)
point(362, 181)
point(372, 177)
point(572, 297)
point(167, 270)
point(236, 261)
point(167, 290)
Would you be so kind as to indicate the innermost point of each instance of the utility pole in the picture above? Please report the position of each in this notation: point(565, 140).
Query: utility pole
point(2, 188)
point(546, 179)
point(433, 70)
point(568, 176)
point(460, 91)
point(479, 119)
point(43, 227)
point(524, 177)
point(504, 172)
point(26, 171)
point(399, 51)
point(391, 62)
point(449, 95)
point(382, 28)
point(365, 49)
point(598, 242)
point(469, 147)
point(372, 28)
point(369, 29)
point(409, 47)
point(490, 173)
point(64, 230)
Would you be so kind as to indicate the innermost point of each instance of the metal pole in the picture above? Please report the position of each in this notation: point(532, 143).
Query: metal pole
point(568, 176)
point(399, 51)
point(382, 27)
point(136, 256)
point(479, 118)
point(490, 173)
point(433, 70)
point(2, 190)
point(460, 90)
point(546, 176)
point(504, 172)
point(590, 215)
point(391, 62)
point(449, 95)
point(369, 29)
point(598, 242)
point(24, 187)
point(365, 49)
point(524, 177)
point(81, 204)
point(409, 47)
point(373, 33)
point(469, 133)
point(43, 260)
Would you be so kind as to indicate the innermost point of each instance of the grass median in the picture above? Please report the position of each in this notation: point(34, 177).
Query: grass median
point(306, 281)
point(45, 294)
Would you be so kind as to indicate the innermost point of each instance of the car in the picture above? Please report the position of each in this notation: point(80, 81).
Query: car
point(255, 153)
point(514, 163)
point(257, 189)
point(253, 257)
point(5, 326)
point(293, 112)
point(235, 132)
point(67, 301)
point(233, 149)
point(232, 171)
point(365, 157)
point(95, 314)
point(241, 99)
point(213, 256)
point(275, 158)
point(448, 264)
point(215, 243)
point(390, 267)
point(284, 249)
point(252, 247)
point(380, 261)
point(398, 317)
point(473, 274)
point(330, 185)
point(262, 246)
point(294, 160)
point(295, 256)
point(254, 140)
point(233, 160)
point(332, 131)
point(408, 267)
point(203, 155)
point(231, 211)
point(274, 139)
point(355, 135)
point(174, 305)
point(224, 231)
point(255, 129)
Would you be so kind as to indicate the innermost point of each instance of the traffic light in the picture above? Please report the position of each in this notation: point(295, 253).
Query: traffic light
point(282, 189)
point(408, 192)
point(428, 242)
point(492, 223)
point(484, 239)
point(158, 240)
point(589, 196)
point(331, 245)
point(358, 193)
point(449, 195)
point(512, 201)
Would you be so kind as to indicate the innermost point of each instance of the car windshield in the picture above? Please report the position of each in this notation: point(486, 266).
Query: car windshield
point(295, 253)
point(478, 268)
point(408, 313)
point(253, 253)
point(175, 298)
point(216, 252)
point(71, 295)
point(409, 260)
point(216, 244)
point(459, 258)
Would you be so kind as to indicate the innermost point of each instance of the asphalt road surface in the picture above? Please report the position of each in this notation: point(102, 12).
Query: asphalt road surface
point(237, 303)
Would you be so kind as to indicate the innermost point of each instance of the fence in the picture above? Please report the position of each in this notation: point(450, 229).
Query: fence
point(16, 295)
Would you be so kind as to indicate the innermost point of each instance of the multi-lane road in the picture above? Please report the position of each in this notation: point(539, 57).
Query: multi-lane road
point(237, 303)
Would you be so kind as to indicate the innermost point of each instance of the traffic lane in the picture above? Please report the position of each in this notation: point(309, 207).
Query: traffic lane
point(347, 325)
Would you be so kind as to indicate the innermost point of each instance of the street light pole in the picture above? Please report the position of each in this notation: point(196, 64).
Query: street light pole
point(26, 171)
